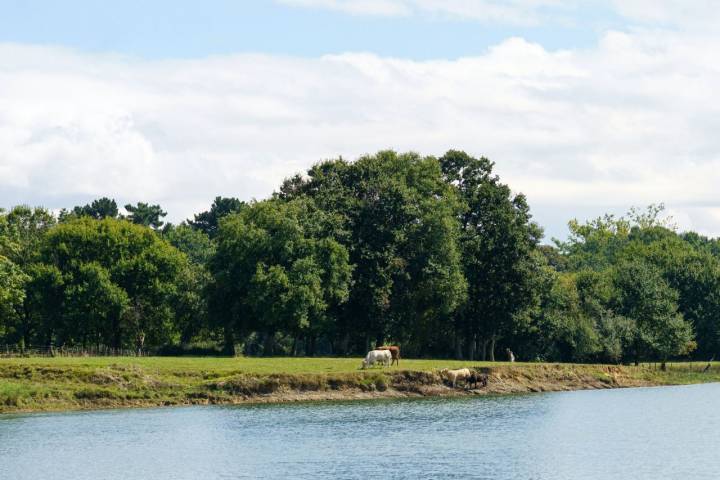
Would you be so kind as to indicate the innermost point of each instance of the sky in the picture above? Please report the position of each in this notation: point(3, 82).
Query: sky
point(586, 107)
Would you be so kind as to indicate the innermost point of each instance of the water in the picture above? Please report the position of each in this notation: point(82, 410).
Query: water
point(650, 433)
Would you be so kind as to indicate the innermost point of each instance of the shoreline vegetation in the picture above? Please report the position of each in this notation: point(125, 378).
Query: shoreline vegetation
point(64, 384)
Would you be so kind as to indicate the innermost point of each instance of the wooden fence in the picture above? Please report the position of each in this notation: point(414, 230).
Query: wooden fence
point(10, 351)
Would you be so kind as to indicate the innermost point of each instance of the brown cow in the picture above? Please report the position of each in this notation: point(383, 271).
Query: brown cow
point(394, 351)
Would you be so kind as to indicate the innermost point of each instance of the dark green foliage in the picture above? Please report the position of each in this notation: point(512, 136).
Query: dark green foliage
point(436, 255)
point(651, 292)
point(398, 220)
point(147, 215)
point(209, 221)
point(497, 240)
point(12, 296)
point(643, 295)
point(21, 234)
point(193, 281)
point(101, 208)
point(273, 273)
point(107, 282)
point(193, 243)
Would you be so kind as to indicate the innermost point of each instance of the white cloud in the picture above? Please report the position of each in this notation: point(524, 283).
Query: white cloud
point(682, 14)
point(523, 12)
point(356, 7)
point(630, 122)
point(678, 13)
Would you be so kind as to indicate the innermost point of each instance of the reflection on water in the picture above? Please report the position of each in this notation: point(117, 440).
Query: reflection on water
point(651, 433)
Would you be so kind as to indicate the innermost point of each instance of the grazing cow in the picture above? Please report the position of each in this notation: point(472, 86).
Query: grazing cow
point(454, 375)
point(510, 354)
point(394, 351)
point(383, 357)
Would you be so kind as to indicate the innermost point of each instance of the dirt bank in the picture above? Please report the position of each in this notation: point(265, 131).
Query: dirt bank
point(27, 388)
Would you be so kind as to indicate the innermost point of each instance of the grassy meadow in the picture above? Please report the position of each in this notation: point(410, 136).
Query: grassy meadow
point(229, 366)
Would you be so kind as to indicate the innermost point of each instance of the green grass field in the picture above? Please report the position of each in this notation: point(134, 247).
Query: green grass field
point(228, 366)
point(37, 384)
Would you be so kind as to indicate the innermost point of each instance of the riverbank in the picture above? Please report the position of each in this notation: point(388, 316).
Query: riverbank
point(51, 384)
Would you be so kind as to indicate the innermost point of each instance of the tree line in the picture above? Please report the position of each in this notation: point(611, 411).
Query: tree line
point(435, 254)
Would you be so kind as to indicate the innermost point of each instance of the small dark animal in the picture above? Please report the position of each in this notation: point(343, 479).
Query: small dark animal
point(476, 378)
point(394, 351)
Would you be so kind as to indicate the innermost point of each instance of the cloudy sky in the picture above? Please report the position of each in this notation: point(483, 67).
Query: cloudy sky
point(586, 107)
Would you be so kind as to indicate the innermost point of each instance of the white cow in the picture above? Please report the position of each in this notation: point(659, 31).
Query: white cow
point(383, 357)
point(455, 375)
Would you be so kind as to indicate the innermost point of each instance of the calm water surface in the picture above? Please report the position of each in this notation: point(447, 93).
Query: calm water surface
point(651, 433)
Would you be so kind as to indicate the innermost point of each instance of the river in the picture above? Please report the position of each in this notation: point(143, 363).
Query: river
point(644, 433)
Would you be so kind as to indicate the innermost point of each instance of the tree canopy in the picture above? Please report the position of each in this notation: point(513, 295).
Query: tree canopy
point(274, 272)
point(437, 255)
point(109, 281)
point(145, 214)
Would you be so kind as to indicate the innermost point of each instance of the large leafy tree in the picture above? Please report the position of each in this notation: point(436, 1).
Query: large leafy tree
point(12, 280)
point(558, 328)
point(600, 243)
point(22, 229)
point(94, 307)
point(397, 217)
point(117, 281)
point(643, 295)
point(274, 272)
point(193, 281)
point(693, 272)
point(498, 240)
point(12, 295)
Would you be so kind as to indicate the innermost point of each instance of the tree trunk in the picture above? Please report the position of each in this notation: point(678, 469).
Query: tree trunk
point(140, 342)
point(458, 347)
point(471, 349)
point(484, 349)
point(493, 340)
point(343, 346)
point(25, 325)
point(229, 340)
point(310, 346)
point(269, 344)
point(663, 366)
point(116, 335)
